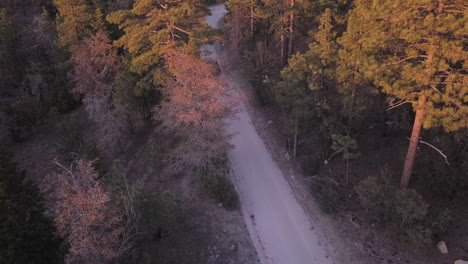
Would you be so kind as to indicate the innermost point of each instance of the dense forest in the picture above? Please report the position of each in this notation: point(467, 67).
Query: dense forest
point(113, 147)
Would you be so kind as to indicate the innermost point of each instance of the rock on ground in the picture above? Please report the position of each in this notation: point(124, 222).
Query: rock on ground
point(442, 247)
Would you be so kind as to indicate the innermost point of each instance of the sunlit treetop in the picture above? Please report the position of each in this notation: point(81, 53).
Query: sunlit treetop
point(417, 49)
point(77, 20)
point(152, 28)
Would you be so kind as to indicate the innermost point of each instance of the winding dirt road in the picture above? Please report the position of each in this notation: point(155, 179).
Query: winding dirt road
point(279, 228)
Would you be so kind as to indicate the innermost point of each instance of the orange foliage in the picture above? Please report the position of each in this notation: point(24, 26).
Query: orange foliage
point(84, 216)
point(196, 108)
point(96, 65)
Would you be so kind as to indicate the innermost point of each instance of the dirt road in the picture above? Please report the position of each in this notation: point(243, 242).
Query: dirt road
point(278, 225)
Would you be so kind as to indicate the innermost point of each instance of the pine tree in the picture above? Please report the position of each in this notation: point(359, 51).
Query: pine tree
point(26, 235)
point(418, 56)
point(154, 27)
point(75, 21)
point(308, 82)
point(237, 23)
point(354, 87)
point(151, 30)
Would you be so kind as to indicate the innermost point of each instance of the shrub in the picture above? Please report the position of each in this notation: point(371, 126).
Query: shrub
point(159, 216)
point(369, 192)
point(154, 158)
point(59, 96)
point(420, 236)
point(220, 189)
point(438, 220)
point(403, 207)
point(327, 195)
point(310, 165)
point(70, 141)
point(410, 206)
point(25, 114)
point(377, 199)
point(441, 179)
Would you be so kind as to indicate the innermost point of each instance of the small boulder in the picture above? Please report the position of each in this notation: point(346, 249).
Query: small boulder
point(233, 247)
point(460, 261)
point(442, 247)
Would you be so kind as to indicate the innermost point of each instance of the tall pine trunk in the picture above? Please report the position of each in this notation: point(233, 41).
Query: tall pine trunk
point(282, 37)
point(291, 28)
point(410, 156)
point(283, 57)
point(252, 13)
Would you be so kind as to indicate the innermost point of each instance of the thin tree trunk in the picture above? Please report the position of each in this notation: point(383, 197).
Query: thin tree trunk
point(410, 156)
point(291, 28)
point(131, 128)
point(283, 61)
point(282, 38)
point(24, 9)
point(350, 112)
point(295, 136)
point(284, 127)
point(252, 11)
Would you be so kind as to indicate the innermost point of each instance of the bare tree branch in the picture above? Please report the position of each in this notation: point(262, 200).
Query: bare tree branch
point(182, 30)
point(434, 148)
point(399, 104)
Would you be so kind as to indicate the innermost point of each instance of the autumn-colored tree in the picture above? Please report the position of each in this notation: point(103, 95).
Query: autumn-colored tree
point(96, 68)
point(84, 215)
point(26, 235)
point(195, 110)
point(419, 57)
point(110, 126)
point(96, 65)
